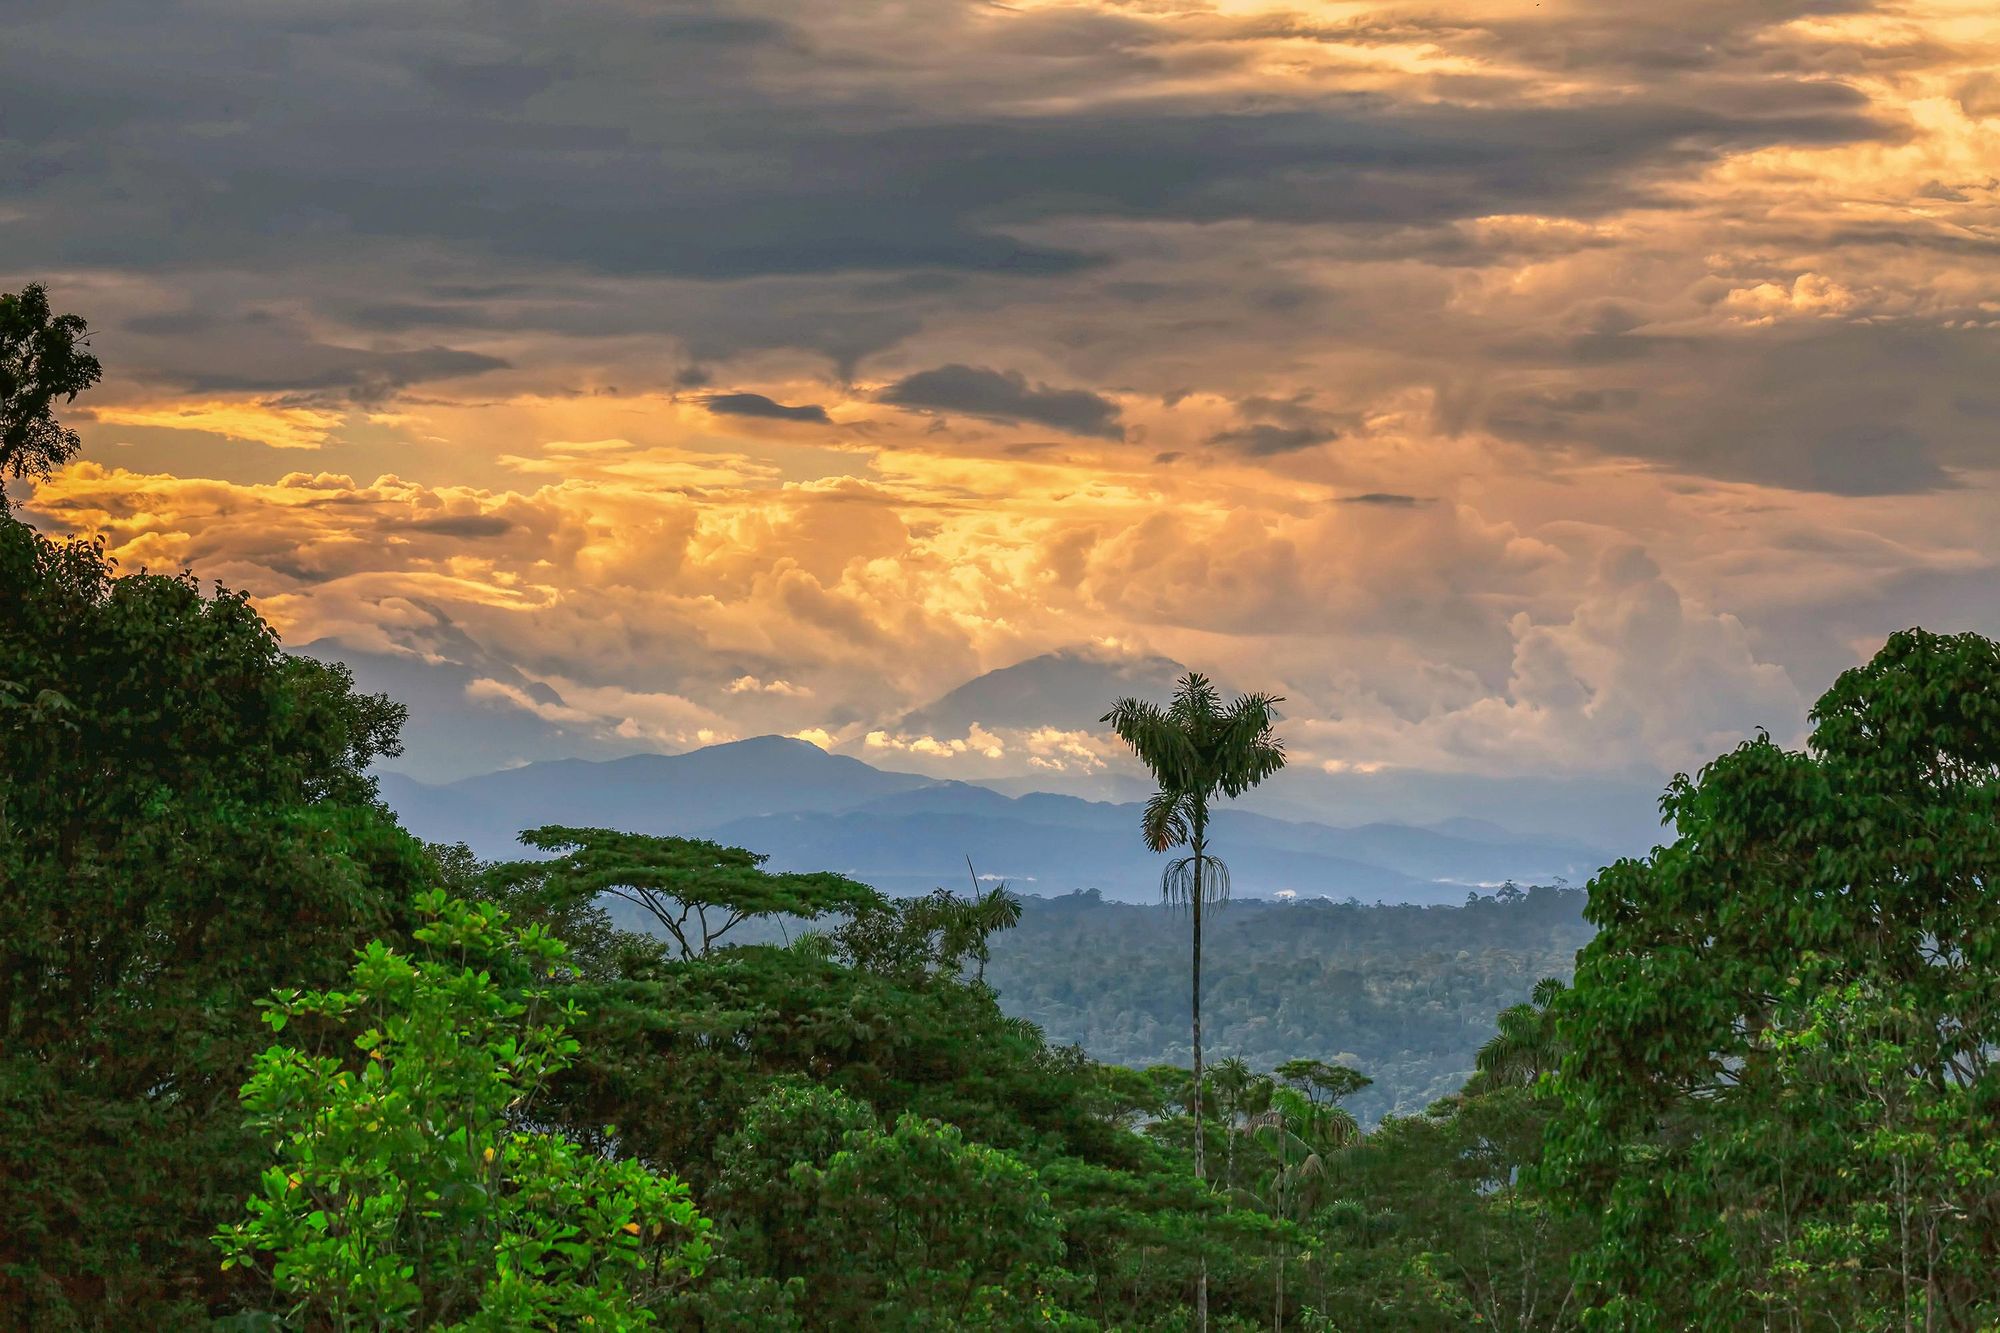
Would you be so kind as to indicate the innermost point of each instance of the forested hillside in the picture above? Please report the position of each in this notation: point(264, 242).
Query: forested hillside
point(1406, 993)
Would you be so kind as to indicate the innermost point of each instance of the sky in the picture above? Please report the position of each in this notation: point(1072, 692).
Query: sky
point(1522, 390)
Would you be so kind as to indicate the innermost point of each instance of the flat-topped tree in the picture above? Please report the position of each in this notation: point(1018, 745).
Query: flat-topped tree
point(697, 890)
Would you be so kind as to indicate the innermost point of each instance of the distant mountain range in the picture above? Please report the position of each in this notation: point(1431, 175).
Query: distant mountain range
point(907, 834)
point(472, 712)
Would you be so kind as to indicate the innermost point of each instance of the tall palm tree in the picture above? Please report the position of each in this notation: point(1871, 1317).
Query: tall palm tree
point(1197, 749)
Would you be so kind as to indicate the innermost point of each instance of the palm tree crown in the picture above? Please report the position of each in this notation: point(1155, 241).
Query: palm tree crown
point(1197, 749)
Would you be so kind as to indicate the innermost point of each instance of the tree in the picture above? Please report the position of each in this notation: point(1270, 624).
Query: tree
point(988, 911)
point(186, 821)
point(1526, 1046)
point(680, 882)
point(407, 1191)
point(897, 1229)
point(1197, 749)
point(1239, 1092)
point(1302, 1124)
point(43, 357)
point(1719, 1118)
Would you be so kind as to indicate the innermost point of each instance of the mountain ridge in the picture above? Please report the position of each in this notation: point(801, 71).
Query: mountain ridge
point(906, 833)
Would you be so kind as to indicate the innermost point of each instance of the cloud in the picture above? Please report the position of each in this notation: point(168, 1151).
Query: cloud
point(1335, 354)
point(1264, 439)
point(977, 741)
point(751, 685)
point(757, 405)
point(494, 691)
point(258, 423)
point(1388, 498)
point(463, 525)
point(1005, 396)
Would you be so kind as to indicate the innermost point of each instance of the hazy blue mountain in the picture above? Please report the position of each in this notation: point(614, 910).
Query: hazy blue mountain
point(914, 853)
point(647, 793)
point(1617, 811)
point(810, 810)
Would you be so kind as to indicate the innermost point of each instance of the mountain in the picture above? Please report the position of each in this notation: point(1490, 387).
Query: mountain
point(1068, 689)
point(643, 793)
point(906, 834)
point(1618, 811)
point(910, 854)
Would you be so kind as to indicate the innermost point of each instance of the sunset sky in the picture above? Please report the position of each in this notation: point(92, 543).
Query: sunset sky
point(1521, 389)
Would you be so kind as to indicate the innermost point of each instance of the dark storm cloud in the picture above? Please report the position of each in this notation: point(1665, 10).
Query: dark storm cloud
point(1848, 410)
point(1006, 396)
point(635, 145)
point(1264, 439)
point(463, 525)
point(1274, 426)
point(362, 377)
point(446, 171)
point(757, 405)
point(1386, 499)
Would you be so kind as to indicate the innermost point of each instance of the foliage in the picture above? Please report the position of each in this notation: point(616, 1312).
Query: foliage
point(1422, 1224)
point(695, 1057)
point(407, 1192)
point(908, 1228)
point(678, 882)
point(185, 823)
point(1778, 1072)
point(1406, 993)
point(42, 359)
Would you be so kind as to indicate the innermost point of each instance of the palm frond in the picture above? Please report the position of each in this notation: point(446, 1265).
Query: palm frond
point(1165, 823)
point(1244, 750)
point(1177, 884)
point(1196, 700)
point(1161, 744)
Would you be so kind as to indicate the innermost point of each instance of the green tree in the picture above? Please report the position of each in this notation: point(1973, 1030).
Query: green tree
point(1693, 1128)
point(43, 357)
point(696, 891)
point(1301, 1125)
point(1197, 749)
point(900, 1229)
point(407, 1191)
point(1237, 1092)
point(985, 913)
point(1527, 1044)
point(186, 821)
point(1423, 1223)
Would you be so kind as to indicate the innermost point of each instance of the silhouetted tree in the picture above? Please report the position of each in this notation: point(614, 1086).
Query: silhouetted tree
point(42, 358)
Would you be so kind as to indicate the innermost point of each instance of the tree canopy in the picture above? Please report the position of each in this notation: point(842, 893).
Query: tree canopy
point(1777, 1057)
point(44, 358)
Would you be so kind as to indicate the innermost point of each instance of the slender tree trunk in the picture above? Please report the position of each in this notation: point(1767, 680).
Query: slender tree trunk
point(1278, 1308)
point(1200, 1135)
